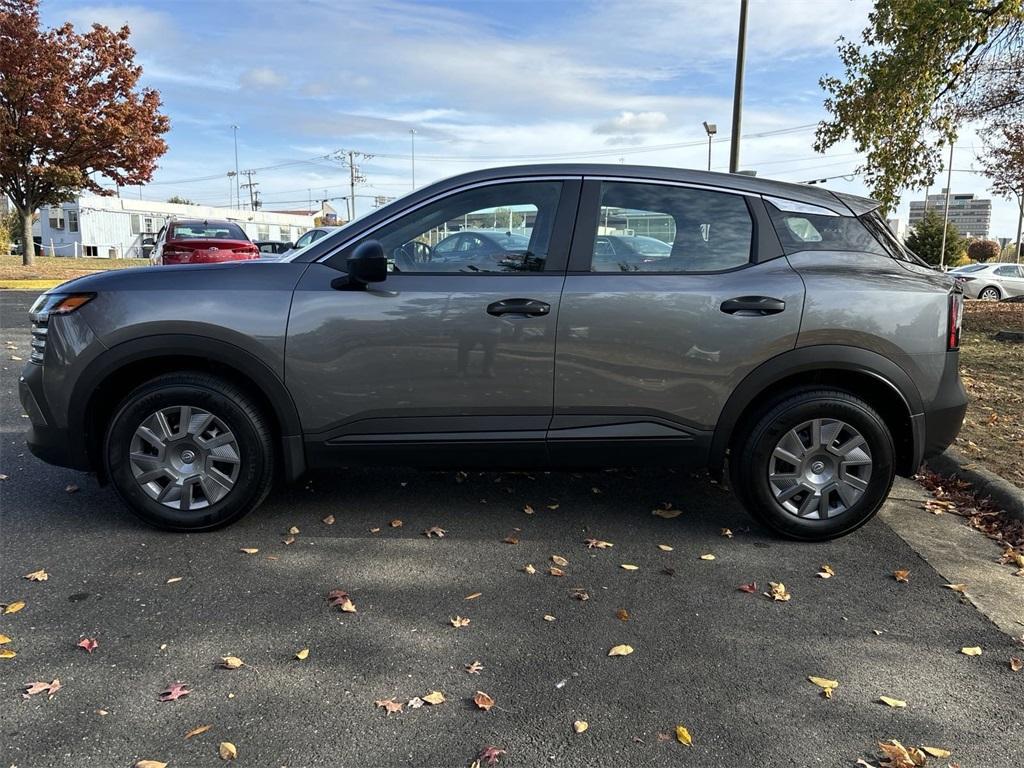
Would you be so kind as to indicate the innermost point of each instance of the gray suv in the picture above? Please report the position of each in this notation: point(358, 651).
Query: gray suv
point(782, 332)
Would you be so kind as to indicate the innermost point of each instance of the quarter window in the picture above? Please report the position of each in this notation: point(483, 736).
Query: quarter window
point(504, 228)
point(660, 228)
point(803, 231)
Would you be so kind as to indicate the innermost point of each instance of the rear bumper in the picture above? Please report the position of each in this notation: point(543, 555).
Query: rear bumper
point(944, 416)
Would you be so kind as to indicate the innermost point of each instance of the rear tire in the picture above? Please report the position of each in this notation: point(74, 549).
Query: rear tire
point(189, 452)
point(991, 293)
point(815, 465)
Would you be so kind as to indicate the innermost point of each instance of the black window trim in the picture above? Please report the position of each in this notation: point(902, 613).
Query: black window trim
point(558, 247)
point(764, 243)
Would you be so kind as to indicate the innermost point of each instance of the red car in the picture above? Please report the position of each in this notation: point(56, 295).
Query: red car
point(202, 241)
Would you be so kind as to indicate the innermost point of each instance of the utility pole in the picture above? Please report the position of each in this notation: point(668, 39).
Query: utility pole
point(1020, 222)
point(251, 186)
point(238, 197)
point(412, 140)
point(256, 199)
point(354, 177)
point(737, 93)
point(945, 218)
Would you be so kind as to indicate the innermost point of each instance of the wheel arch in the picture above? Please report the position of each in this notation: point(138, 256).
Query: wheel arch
point(104, 384)
point(879, 381)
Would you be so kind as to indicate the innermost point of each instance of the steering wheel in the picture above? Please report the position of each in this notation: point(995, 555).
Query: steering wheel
point(403, 261)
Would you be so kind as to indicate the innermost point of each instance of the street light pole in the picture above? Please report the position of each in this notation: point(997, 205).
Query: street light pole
point(1020, 222)
point(711, 129)
point(412, 142)
point(238, 194)
point(737, 93)
point(945, 217)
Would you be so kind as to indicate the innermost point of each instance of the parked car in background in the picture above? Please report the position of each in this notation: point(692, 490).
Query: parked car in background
point(472, 248)
point(628, 252)
point(991, 281)
point(310, 236)
point(787, 336)
point(273, 248)
point(202, 241)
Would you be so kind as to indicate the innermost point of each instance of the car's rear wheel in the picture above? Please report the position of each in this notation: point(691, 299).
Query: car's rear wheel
point(815, 465)
point(991, 292)
point(189, 452)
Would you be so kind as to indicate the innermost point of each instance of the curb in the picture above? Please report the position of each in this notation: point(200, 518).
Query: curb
point(984, 483)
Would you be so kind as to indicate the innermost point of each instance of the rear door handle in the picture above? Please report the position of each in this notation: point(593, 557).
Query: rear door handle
point(527, 307)
point(753, 306)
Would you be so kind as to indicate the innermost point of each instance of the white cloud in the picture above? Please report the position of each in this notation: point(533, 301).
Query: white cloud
point(262, 77)
point(633, 123)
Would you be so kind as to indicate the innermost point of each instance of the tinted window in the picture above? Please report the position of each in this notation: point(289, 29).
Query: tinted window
point(206, 230)
point(1010, 271)
point(501, 228)
point(660, 228)
point(970, 268)
point(803, 231)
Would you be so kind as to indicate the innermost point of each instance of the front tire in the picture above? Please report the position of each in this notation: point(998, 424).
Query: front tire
point(189, 452)
point(815, 466)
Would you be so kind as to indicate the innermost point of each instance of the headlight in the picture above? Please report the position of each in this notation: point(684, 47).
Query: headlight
point(57, 304)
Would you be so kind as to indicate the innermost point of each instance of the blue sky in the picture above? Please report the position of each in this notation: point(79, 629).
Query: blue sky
point(482, 84)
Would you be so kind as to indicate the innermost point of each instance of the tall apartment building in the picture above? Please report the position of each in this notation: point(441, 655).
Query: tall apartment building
point(971, 216)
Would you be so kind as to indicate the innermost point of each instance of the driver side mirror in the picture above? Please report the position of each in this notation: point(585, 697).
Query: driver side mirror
point(367, 264)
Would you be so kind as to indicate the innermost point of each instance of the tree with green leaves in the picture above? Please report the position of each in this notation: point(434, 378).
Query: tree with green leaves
point(925, 239)
point(923, 69)
point(179, 200)
point(70, 111)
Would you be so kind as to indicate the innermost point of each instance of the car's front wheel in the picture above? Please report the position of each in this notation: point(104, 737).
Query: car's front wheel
point(189, 452)
point(815, 465)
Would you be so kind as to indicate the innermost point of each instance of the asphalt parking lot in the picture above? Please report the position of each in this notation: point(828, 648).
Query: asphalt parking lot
point(729, 665)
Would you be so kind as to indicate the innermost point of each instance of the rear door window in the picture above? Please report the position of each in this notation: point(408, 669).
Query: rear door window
point(807, 230)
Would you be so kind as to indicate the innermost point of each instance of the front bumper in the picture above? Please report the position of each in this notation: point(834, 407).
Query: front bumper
point(47, 442)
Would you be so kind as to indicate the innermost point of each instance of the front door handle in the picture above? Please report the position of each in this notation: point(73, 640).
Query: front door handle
point(753, 306)
point(527, 307)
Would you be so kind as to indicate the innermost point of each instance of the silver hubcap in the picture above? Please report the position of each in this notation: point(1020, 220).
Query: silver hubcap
point(184, 457)
point(819, 469)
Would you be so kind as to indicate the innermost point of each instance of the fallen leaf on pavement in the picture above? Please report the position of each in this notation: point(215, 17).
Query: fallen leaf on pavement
point(459, 621)
point(548, 617)
point(288, 540)
point(483, 701)
point(474, 668)
point(826, 572)
point(707, 556)
point(511, 539)
point(971, 651)
point(559, 560)
point(294, 531)
point(174, 579)
point(4, 639)
point(148, 764)
point(227, 750)
point(622, 614)
point(415, 702)
point(751, 588)
point(903, 577)
point(303, 654)
point(7, 653)
point(937, 751)
point(396, 523)
point(894, 703)
point(490, 755)
point(899, 756)
point(71, 488)
point(175, 692)
point(435, 531)
point(197, 731)
point(553, 507)
point(594, 489)
point(249, 550)
point(231, 662)
point(667, 513)
point(620, 650)
point(375, 530)
point(14, 607)
point(329, 520)
point(580, 726)
point(598, 544)
point(528, 509)
point(726, 532)
point(340, 598)
point(556, 571)
point(528, 568)
point(629, 567)
point(434, 697)
point(88, 643)
point(39, 575)
point(50, 688)
point(827, 686)
point(1016, 665)
point(778, 592)
point(580, 594)
point(473, 596)
point(683, 736)
point(664, 547)
point(961, 588)
point(389, 706)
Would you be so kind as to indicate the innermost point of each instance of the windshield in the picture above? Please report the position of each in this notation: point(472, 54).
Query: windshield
point(207, 230)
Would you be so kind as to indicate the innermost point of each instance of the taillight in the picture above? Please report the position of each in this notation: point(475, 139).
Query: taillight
point(176, 253)
point(248, 250)
point(956, 317)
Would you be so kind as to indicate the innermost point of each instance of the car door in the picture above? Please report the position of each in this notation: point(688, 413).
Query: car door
point(1010, 278)
point(650, 350)
point(446, 360)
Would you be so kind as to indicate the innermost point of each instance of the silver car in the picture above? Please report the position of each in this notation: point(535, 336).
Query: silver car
point(776, 331)
point(991, 281)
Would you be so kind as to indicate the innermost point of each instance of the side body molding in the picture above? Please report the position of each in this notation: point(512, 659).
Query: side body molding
point(807, 360)
point(254, 369)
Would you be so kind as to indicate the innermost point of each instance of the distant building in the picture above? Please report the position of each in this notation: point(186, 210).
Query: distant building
point(118, 227)
point(971, 216)
point(898, 227)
